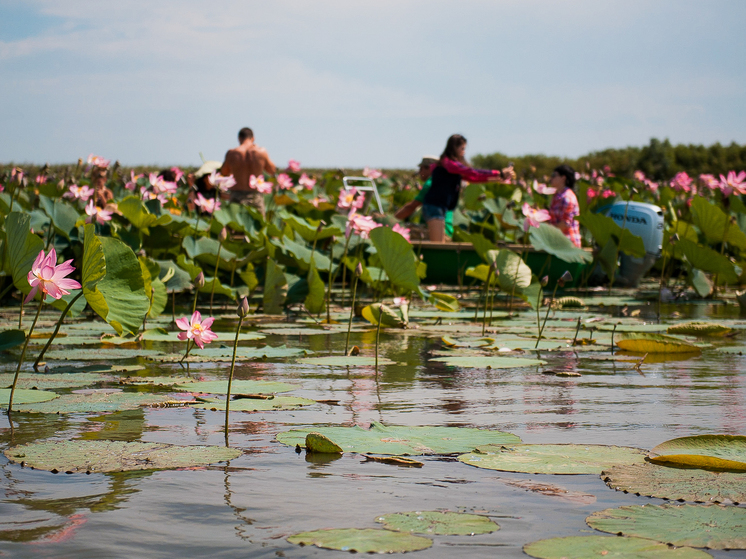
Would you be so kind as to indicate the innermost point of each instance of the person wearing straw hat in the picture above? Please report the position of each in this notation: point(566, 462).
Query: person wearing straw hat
point(425, 174)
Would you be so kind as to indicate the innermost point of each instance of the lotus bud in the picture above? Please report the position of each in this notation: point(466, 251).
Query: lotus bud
point(223, 235)
point(199, 281)
point(565, 278)
point(243, 308)
point(359, 269)
point(544, 281)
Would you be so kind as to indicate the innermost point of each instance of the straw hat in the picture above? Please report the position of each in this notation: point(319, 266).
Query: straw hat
point(428, 160)
point(207, 168)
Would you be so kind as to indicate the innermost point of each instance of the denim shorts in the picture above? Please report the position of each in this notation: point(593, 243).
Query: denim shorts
point(432, 212)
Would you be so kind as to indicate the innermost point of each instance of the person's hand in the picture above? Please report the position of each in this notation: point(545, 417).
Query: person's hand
point(508, 173)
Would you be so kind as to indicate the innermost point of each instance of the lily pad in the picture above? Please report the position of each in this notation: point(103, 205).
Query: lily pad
point(225, 354)
point(346, 361)
point(487, 362)
point(713, 526)
point(396, 439)
point(685, 484)
point(723, 452)
point(316, 442)
point(81, 403)
point(115, 456)
point(552, 458)
point(258, 404)
point(43, 381)
point(160, 335)
point(156, 381)
point(25, 396)
point(699, 328)
point(99, 354)
point(238, 387)
point(593, 547)
point(437, 522)
point(360, 540)
point(655, 343)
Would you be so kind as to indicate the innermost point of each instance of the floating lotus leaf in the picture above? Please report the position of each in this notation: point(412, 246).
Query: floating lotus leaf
point(440, 523)
point(81, 403)
point(634, 328)
point(699, 329)
point(43, 381)
point(593, 547)
point(487, 362)
point(362, 540)
point(654, 343)
point(161, 335)
point(396, 439)
point(156, 381)
point(737, 350)
point(99, 354)
point(447, 315)
point(238, 387)
point(316, 442)
point(25, 396)
point(724, 452)
point(225, 354)
point(686, 484)
point(98, 368)
point(712, 526)
point(258, 404)
point(115, 456)
point(346, 361)
point(552, 458)
point(467, 343)
point(300, 331)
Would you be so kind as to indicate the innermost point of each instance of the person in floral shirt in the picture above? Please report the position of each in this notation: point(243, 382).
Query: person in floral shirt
point(564, 207)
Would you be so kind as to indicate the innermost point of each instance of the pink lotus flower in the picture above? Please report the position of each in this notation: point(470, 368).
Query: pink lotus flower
point(293, 166)
point(403, 231)
point(2, 188)
point(196, 329)
point(284, 181)
point(734, 182)
point(710, 182)
point(94, 212)
point(49, 277)
point(79, 192)
point(178, 173)
point(132, 183)
point(41, 179)
point(97, 161)
point(307, 181)
point(682, 181)
point(372, 173)
point(16, 174)
point(639, 176)
point(208, 205)
point(315, 202)
point(534, 217)
point(608, 194)
point(590, 194)
point(349, 199)
point(223, 184)
point(260, 185)
point(146, 195)
point(542, 188)
point(360, 224)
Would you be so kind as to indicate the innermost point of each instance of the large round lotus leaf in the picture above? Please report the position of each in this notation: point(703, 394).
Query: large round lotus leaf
point(155, 381)
point(704, 451)
point(258, 404)
point(158, 335)
point(238, 387)
point(631, 327)
point(98, 354)
point(607, 547)
point(346, 361)
point(98, 368)
point(712, 526)
point(396, 439)
point(699, 329)
point(362, 540)
point(115, 456)
point(298, 332)
point(457, 315)
point(466, 342)
point(734, 350)
point(42, 381)
point(436, 522)
point(552, 458)
point(225, 354)
point(685, 484)
point(25, 396)
point(488, 362)
point(80, 403)
point(655, 343)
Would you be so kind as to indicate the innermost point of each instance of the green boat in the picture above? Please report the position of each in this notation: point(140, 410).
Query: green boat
point(447, 262)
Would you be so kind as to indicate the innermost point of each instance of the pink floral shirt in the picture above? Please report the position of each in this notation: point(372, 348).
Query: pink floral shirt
point(564, 209)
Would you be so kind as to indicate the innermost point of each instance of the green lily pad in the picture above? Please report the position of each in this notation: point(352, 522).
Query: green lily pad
point(299, 331)
point(699, 328)
point(115, 456)
point(713, 526)
point(732, 350)
point(43, 381)
point(98, 368)
point(258, 404)
point(729, 449)
point(593, 547)
point(97, 402)
point(99, 354)
point(686, 484)
point(639, 328)
point(488, 362)
point(225, 354)
point(160, 335)
point(552, 458)
point(156, 381)
point(25, 396)
point(238, 387)
point(360, 540)
point(396, 439)
point(437, 522)
point(346, 361)
point(654, 343)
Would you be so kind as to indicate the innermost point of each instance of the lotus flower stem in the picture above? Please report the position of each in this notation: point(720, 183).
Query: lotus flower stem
point(215, 276)
point(577, 329)
point(49, 234)
point(352, 309)
point(189, 346)
point(56, 329)
point(486, 294)
point(612, 338)
point(243, 310)
point(20, 316)
point(546, 316)
point(23, 355)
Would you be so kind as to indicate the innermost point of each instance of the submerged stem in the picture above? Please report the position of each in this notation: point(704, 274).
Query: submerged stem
point(23, 354)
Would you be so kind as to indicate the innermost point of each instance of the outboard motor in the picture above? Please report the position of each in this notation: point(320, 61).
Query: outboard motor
point(643, 220)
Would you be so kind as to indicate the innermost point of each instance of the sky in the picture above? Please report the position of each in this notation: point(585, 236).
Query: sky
point(353, 83)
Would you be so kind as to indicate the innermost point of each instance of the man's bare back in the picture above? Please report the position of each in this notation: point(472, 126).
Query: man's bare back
point(246, 160)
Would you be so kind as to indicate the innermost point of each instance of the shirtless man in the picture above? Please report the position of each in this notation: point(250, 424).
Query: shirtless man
point(242, 162)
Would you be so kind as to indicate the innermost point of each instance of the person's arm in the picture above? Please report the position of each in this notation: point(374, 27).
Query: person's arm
point(225, 170)
point(269, 167)
point(467, 173)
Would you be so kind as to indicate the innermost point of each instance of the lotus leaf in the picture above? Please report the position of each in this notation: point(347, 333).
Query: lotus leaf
point(63, 215)
point(468, 343)
point(686, 484)
point(634, 328)
point(318, 443)
point(699, 329)
point(551, 240)
point(487, 362)
point(726, 447)
point(552, 458)
point(115, 456)
point(396, 439)
point(397, 258)
point(11, 338)
point(593, 547)
point(225, 354)
point(654, 343)
point(437, 522)
point(706, 259)
point(362, 540)
point(99, 354)
point(715, 224)
point(156, 381)
point(239, 386)
point(258, 404)
point(315, 301)
point(275, 288)
point(25, 396)
point(391, 319)
point(345, 361)
point(81, 403)
point(162, 335)
point(712, 526)
point(42, 381)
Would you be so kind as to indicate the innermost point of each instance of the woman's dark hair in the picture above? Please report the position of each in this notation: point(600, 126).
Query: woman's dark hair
point(167, 175)
point(567, 172)
point(453, 143)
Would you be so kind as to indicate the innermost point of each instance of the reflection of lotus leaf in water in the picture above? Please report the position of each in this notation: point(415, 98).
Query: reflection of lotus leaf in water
point(80, 403)
point(687, 484)
point(655, 343)
point(362, 540)
point(25, 396)
point(552, 458)
point(488, 362)
point(257, 404)
point(43, 381)
point(711, 526)
point(346, 361)
point(115, 456)
point(724, 452)
point(239, 386)
point(437, 522)
point(608, 547)
point(396, 439)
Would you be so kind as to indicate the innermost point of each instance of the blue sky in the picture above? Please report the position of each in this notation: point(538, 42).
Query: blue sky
point(365, 83)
